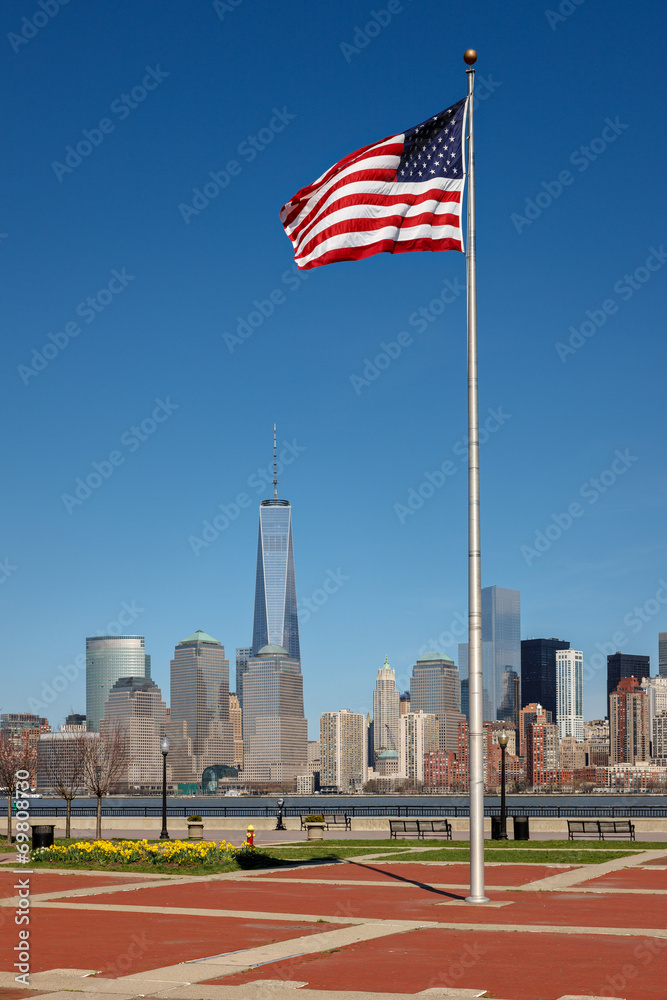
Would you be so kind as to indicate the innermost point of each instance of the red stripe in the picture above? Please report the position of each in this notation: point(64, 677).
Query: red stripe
point(368, 225)
point(364, 198)
point(384, 175)
point(382, 246)
point(366, 152)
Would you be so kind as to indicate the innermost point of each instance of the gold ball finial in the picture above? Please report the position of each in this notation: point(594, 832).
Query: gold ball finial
point(470, 57)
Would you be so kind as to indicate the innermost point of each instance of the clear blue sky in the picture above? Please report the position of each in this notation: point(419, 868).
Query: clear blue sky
point(311, 84)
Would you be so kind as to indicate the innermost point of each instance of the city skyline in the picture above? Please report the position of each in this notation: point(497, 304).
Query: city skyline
point(361, 692)
point(141, 421)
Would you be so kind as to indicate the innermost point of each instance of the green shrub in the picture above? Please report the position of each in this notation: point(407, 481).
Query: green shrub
point(314, 819)
point(194, 819)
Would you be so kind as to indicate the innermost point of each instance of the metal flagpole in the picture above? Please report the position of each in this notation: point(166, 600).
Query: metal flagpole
point(476, 701)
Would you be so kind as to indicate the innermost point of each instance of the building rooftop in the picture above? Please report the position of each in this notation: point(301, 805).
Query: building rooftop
point(435, 658)
point(200, 636)
point(272, 650)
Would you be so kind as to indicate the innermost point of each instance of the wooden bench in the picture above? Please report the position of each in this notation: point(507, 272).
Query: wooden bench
point(600, 828)
point(616, 828)
point(583, 828)
point(337, 820)
point(420, 828)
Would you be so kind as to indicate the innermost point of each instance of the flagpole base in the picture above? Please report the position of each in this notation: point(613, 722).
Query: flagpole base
point(474, 900)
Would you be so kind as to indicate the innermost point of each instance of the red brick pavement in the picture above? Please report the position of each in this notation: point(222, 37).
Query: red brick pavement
point(519, 966)
point(454, 874)
point(631, 878)
point(118, 944)
point(45, 881)
point(400, 900)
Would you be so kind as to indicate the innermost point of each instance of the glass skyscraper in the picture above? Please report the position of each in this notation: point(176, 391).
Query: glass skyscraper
point(501, 626)
point(275, 620)
point(501, 646)
point(108, 658)
point(538, 672)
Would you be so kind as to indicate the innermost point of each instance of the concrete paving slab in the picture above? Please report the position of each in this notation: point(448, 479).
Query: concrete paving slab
point(284, 991)
point(587, 872)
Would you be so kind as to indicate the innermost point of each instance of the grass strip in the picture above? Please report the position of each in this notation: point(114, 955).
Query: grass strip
point(498, 845)
point(516, 857)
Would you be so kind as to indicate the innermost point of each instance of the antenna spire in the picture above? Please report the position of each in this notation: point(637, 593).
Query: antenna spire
point(275, 466)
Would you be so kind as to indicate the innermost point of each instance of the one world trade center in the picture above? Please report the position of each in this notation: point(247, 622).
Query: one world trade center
point(275, 619)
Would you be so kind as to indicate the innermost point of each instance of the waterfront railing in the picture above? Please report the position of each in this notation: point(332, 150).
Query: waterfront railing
point(389, 811)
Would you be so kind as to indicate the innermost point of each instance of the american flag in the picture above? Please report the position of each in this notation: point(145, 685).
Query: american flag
point(401, 194)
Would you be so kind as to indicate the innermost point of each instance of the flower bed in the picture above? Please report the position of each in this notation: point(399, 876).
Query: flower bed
point(183, 853)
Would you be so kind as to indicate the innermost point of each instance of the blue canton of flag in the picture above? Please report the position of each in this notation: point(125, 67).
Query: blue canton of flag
point(434, 148)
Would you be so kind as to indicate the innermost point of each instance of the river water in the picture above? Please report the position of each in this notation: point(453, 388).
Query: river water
point(341, 803)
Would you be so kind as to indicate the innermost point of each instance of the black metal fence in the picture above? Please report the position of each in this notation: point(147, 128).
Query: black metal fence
point(250, 812)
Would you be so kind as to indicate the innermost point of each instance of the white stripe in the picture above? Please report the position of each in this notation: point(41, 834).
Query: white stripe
point(366, 211)
point(350, 240)
point(370, 163)
point(400, 138)
point(406, 188)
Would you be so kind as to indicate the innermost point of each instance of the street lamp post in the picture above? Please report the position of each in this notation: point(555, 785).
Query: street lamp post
point(503, 740)
point(280, 825)
point(164, 747)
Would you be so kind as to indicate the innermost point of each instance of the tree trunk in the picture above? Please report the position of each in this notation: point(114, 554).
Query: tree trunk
point(98, 825)
point(9, 817)
point(68, 817)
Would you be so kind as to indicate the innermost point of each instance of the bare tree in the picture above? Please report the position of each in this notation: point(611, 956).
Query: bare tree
point(63, 765)
point(104, 761)
point(15, 756)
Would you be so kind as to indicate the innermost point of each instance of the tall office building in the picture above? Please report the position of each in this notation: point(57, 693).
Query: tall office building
point(528, 715)
point(435, 685)
point(242, 654)
point(200, 700)
point(510, 701)
point(236, 719)
point(487, 662)
point(570, 693)
point(541, 748)
point(501, 645)
point(343, 747)
point(501, 626)
point(662, 654)
point(275, 732)
point(629, 723)
point(435, 688)
point(538, 672)
point(386, 710)
point(108, 658)
point(136, 704)
point(620, 665)
point(275, 620)
point(656, 691)
point(418, 734)
point(659, 739)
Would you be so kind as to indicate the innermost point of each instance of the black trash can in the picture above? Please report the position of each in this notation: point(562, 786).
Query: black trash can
point(521, 828)
point(42, 836)
point(495, 828)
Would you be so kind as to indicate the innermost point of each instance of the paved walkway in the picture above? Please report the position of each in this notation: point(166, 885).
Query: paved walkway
point(364, 928)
